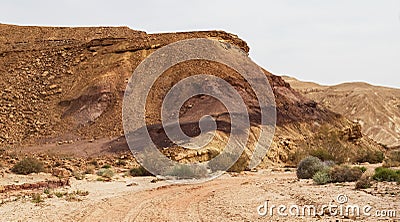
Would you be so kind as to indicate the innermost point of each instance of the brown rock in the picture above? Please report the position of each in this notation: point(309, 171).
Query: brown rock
point(61, 172)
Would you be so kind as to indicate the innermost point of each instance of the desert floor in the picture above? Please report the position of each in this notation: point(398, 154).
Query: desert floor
point(231, 197)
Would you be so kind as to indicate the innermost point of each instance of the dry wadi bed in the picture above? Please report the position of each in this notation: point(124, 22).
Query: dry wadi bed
point(231, 197)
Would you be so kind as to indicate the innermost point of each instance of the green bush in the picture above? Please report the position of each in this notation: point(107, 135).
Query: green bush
point(329, 163)
point(27, 166)
point(322, 177)
point(106, 166)
point(225, 160)
point(139, 171)
point(372, 157)
point(78, 175)
point(344, 173)
point(107, 173)
point(308, 167)
point(37, 198)
point(363, 169)
point(322, 154)
point(363, 183)
point(182, 172)
point(386, 174)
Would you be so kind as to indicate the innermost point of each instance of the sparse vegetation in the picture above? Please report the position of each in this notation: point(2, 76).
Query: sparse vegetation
point(107, 173)
point(81, 192)
point(344, 173)
point(27, 166)
point(73, 196)
point(363, 169)
point(329, 163)
point(363, 183)
point(106, 166)
point(78, 175)
point(371, 157)
point(322, 177)
point(393, 159)
point(386, 174)
point(182, 172)
point(225, 160)
point(139, 171)
point(322, 154)
point(308, 167)
point(90, 169)
point(328, 171)
point(60, 194)
point(37, 198)
point(46, 191)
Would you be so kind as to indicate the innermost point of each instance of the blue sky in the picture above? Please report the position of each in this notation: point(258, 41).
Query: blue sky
point(328, 42)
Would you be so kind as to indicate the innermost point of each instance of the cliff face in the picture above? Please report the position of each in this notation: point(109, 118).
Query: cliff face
point(67, 84)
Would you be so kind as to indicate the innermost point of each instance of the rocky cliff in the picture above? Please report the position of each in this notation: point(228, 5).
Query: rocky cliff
point(64, 85)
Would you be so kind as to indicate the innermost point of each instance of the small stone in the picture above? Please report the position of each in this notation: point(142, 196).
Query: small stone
point(53, 86)
point(132, 184)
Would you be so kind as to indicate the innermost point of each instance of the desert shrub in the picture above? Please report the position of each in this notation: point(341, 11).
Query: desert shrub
point(72, 197)
point(46, 191)
point(78, 175)
point(308, 167)
point(386, 174)
point(329, 163)
point(37, 198)
point(106, 166)
point(139, 171)
point(322, 177)
point(27, 166)
point(322, 154)
point(182, 172)
point(60, 194)
point(393, 159)
point(371, 157)
point(395, 155)
point(107, 173)
point(344, 173)
point(363, 183)
point(81, 192)
point(363, 169)
point(240, 165)
point(224, 161)
point(90, 169)
point(296, 156)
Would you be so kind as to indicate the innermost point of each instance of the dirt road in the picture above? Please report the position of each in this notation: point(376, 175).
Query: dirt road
point(228, 198)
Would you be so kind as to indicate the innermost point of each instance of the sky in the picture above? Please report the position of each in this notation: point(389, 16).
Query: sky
point(328, 42)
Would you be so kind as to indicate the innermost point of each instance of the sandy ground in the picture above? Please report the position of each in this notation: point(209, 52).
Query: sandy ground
point(231, 197)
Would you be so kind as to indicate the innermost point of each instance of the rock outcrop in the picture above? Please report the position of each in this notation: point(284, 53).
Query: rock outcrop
point(67, 84)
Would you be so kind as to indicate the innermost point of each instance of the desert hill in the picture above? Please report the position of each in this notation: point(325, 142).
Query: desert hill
point(376, 108)
point(65, 86)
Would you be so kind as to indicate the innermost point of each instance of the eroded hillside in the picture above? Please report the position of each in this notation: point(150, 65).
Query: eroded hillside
point(64, 85)
point(376, 108)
